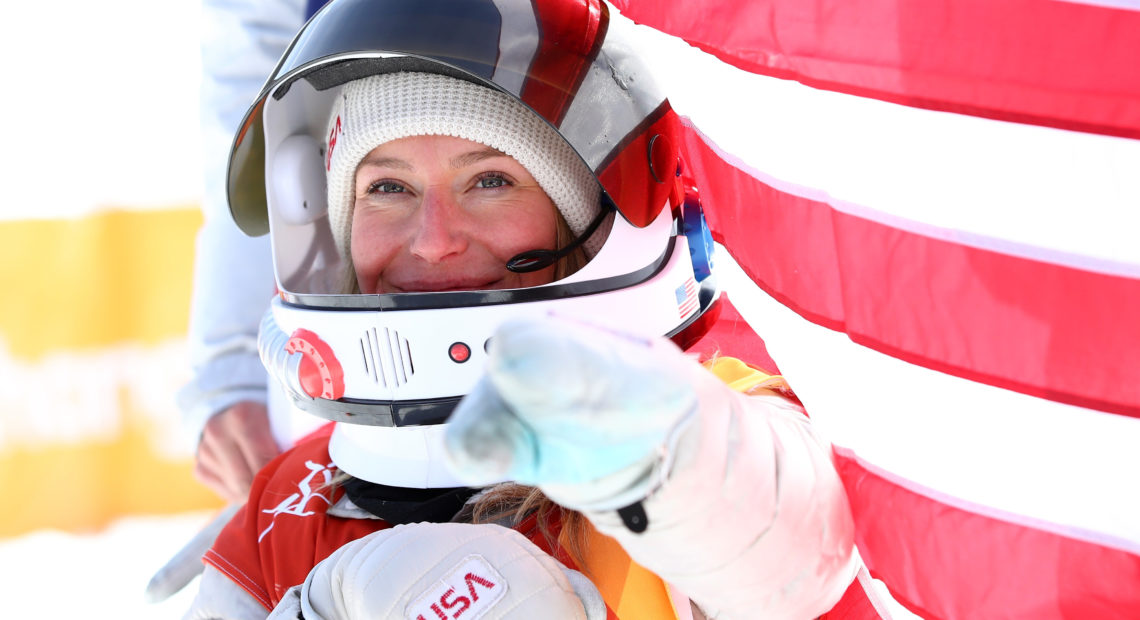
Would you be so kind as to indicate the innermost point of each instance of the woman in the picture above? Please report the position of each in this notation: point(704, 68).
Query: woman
point(439, 178)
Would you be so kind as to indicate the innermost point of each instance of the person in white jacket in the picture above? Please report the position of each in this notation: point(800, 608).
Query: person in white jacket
point(225, 405)
point(477, 203)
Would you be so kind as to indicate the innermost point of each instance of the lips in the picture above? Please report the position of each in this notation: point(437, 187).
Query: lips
point(441, 286)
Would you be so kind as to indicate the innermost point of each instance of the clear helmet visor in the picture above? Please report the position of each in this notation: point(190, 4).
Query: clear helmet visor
point(564, 60)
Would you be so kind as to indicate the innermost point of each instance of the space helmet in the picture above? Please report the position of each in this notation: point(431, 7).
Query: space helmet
point(390, 367)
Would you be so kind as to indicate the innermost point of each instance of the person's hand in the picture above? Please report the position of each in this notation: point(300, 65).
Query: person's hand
point(430, 570)
point(235, 444)
point(580, 411)
point(652, 448)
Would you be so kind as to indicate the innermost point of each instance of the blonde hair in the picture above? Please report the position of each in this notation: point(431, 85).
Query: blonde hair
point(508, 504)
point(511, 503)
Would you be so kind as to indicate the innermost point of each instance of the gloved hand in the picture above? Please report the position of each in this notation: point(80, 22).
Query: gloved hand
point(442, 570)
point(579, 410)
point(730, 498)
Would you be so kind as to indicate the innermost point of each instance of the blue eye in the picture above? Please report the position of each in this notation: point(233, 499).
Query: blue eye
point(492, 180)
point(385, 187)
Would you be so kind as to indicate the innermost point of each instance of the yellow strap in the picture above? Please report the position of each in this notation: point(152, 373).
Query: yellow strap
point(744, 378)
point(631, 591)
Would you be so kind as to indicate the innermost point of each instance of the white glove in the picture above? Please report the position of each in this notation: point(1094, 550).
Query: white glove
point(730, 498)
point(581, 411)
point(442, 570)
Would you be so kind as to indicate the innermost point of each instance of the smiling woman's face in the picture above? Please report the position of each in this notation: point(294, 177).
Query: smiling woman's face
point(437, 213)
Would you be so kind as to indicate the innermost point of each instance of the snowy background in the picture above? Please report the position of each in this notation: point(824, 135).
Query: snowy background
point(53, 574)
point(102, 109)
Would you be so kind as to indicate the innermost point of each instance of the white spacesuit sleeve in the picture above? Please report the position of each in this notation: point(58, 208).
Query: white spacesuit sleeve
point(233, 279)
point(741, 507)
point(219, 598)
point(750, 519)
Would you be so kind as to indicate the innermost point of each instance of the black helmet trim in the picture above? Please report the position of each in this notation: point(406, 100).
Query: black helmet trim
point(434, 301)
point(382, 413)
point(436, 410)
point(330, 72)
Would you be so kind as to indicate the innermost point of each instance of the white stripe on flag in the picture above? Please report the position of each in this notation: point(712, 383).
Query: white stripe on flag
point(1065, 195)
point(982, 444)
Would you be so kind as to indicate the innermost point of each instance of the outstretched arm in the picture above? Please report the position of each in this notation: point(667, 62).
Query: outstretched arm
point(739, 504)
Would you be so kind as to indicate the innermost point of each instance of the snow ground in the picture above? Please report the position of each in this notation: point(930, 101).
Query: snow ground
point(51, 574)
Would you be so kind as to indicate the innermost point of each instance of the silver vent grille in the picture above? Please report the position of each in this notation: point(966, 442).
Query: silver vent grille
point(387, 357)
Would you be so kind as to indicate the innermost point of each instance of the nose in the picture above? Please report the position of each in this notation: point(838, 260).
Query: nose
point(439, 235)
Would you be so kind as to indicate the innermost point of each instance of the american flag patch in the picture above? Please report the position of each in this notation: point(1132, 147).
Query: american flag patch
point(687, 297)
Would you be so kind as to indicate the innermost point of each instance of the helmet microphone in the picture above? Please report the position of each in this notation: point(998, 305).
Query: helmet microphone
point(533, 260)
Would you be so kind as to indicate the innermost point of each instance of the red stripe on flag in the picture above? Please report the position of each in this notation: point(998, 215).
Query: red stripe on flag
point(1038, 328)
point(945, 561)
point(1057, 64)
point(730, 335)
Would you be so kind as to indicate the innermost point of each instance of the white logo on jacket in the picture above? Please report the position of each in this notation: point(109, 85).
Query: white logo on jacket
point(308, 488)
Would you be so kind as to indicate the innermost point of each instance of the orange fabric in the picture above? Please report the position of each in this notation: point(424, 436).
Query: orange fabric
point(629, 590)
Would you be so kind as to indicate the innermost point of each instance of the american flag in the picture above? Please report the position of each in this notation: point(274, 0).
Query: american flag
point(897, 181)
point(686, 297)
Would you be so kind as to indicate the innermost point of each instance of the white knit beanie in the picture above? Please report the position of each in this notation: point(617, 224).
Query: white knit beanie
point(382, 108)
